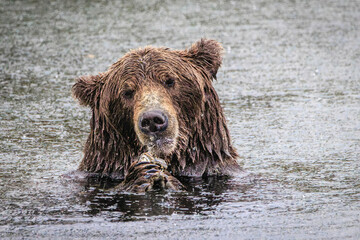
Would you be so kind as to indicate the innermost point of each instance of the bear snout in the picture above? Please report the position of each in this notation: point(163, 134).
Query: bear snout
point(153, 122)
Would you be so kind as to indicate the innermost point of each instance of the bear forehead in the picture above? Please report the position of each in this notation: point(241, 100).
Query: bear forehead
point(151, 58)
point(151, 63)
point(152, 53)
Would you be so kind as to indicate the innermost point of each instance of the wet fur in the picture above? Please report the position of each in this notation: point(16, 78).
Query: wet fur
point(203, 144)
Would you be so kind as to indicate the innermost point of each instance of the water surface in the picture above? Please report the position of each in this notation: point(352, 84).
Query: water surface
point(289, 85)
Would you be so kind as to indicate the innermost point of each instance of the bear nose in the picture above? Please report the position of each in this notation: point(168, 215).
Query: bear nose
point(153, 122)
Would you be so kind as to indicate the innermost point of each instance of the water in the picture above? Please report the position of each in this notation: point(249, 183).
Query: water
point(290, 87)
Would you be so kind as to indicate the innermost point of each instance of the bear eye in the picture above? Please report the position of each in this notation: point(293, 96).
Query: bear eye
point(170, 82)
point(129, 94)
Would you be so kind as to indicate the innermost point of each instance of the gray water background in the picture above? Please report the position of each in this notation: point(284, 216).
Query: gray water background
point(289, 85)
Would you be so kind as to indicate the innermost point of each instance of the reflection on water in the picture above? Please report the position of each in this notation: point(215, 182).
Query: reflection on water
point(289, 86)
point(202, 197)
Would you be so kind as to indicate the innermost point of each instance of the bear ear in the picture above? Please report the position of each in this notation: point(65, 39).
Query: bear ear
point(207, 53)
point(86, 88)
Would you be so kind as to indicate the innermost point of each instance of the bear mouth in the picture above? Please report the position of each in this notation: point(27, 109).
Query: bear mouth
point(161, 145)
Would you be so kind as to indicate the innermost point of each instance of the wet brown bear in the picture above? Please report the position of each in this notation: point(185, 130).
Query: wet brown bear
point(162, 101)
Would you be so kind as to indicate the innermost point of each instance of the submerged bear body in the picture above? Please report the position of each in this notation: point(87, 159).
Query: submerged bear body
point(160, 101)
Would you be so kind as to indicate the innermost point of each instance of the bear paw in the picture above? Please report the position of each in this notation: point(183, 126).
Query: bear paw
point(149, 173)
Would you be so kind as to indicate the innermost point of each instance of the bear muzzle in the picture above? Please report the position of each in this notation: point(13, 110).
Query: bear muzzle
point(157, 130)
point(155, 121)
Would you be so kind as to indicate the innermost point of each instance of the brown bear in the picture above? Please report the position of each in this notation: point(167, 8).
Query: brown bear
point(161, 101)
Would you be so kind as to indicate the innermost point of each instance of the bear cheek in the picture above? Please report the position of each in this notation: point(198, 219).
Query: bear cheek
point(139, 134)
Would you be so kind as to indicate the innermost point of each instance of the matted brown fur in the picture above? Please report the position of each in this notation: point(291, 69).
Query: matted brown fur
point(203, 146)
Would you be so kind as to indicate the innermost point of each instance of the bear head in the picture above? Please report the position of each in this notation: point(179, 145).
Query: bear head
point(158, 100)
